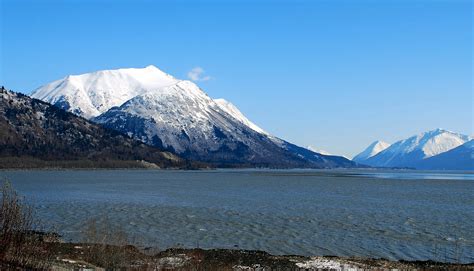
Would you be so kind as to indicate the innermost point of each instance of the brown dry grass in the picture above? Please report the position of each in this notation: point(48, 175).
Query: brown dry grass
point(21, 241)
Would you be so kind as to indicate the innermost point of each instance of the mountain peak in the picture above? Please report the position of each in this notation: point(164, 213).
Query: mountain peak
point(408, 152)
point(372, 150)
point(91, 94)
point(152, 67)
point(436, 131)
point(378, 143)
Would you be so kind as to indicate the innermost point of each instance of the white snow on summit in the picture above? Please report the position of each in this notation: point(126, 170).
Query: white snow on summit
point(92, 94)
point(430, 143)
point(407, 152)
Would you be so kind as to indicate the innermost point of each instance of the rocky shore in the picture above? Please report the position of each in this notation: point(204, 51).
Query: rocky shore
point(79, 256)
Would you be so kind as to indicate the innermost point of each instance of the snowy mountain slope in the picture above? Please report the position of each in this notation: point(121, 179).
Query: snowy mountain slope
point(319, 157)
point(311, 155)
point(183, 119)
point(181, 115)
point(370, 151)
point(459, 158)
point(232, 110)
point(409, 152)
point(92, 94)
point(178, 116)
point(314, 149)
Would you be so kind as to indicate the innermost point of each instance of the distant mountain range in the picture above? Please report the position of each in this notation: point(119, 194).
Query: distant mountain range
point(37, 134)
point(437, 149)
point(176, 115)
point(147, 115)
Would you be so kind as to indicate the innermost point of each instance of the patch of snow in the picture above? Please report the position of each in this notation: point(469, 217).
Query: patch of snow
point(39, 115)
point(172, 262)
point(324, 264)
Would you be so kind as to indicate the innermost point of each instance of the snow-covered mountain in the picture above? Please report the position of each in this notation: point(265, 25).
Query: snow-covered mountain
point(370, 151)
point(180, 118)
point(459, 158)
point(92, 94)
point(411, 151)
point(176, 115)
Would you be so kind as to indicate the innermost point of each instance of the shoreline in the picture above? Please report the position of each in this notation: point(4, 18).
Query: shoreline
point(230, 168)
point(75, 256)
point(41, 250)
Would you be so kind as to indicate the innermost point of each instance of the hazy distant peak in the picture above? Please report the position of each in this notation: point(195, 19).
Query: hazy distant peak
point(372, 150)
point(432, 142)
point(409, 152)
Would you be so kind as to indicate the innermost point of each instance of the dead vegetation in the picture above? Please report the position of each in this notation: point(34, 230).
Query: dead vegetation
point(108, 245)
point(22, 243)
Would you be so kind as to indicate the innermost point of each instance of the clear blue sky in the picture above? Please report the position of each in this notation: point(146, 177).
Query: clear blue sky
point(333, 74)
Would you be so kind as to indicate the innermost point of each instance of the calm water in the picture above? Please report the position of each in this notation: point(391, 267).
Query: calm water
point(395, 215)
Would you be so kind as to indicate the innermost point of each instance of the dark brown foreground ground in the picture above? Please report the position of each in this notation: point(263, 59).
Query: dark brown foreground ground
point(68, 256)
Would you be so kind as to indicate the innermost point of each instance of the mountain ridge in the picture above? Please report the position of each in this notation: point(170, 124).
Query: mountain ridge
point(180, 117)
point(91, 94)
point(372, 150)
point(37, 134)
point(409, 152)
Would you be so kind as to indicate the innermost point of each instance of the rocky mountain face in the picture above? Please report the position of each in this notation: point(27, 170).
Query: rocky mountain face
point(35, 133)
point(176, 115)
